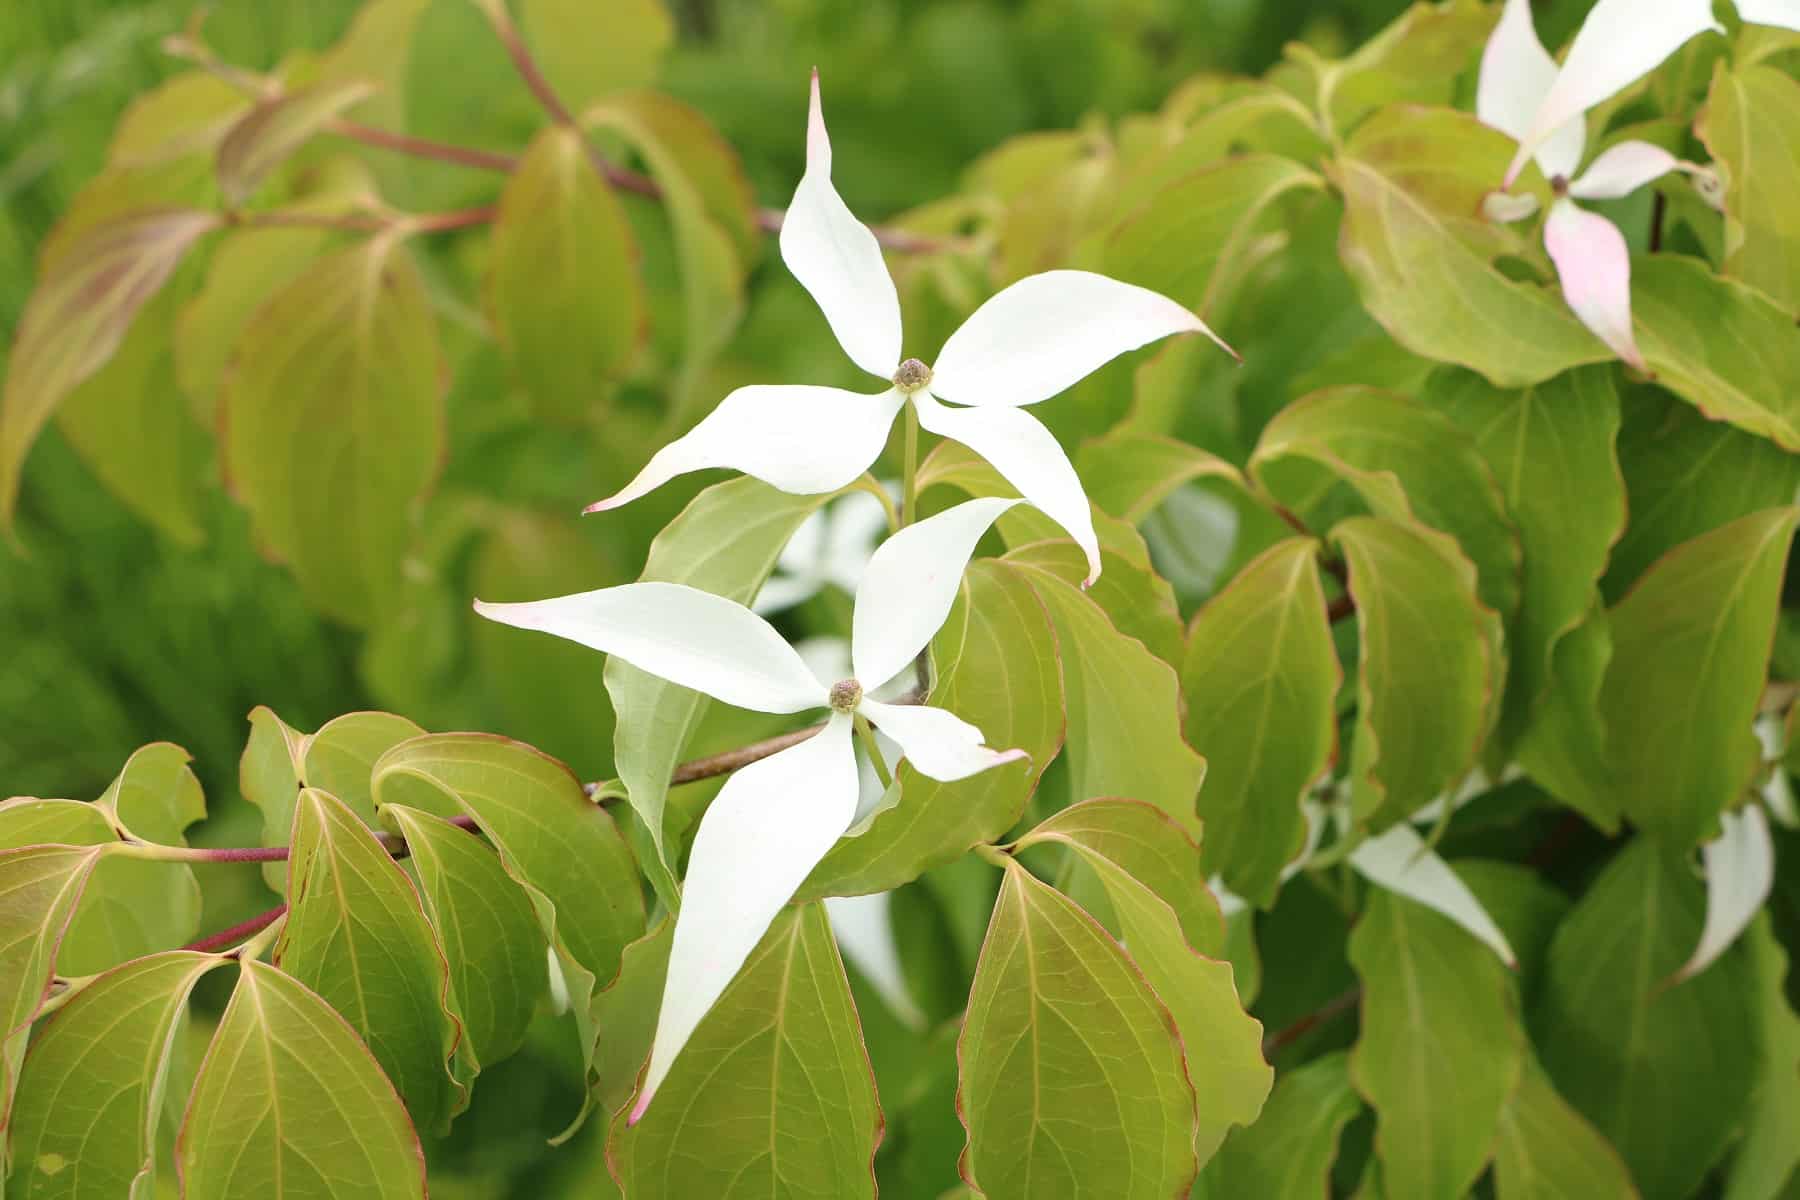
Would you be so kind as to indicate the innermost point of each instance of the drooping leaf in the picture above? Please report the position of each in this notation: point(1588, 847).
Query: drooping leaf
point(1428, 678)
point(1547, 1151)
point(1441, 1047)
point(1752, 127)
point(561, 847)
point(773, 1094)
point(1260, 680)
point(356, 934)
point(273, 130)
point(1405, 461)
point(1072, 1074)
point(1123, 842)
point(1621, 1047)
point(288, 1102)
point(90, 1097)
point(333, 424)
point(1123, 705)
point(1427, 286)
point(1551, 449)
point(489, 934)
point(725, 542)
point(564, 289)
point(1287, 1154)
point(997, 668)
point(78, 316)
point(1690, 655)
point(1769, 1156)
point(1725, 348)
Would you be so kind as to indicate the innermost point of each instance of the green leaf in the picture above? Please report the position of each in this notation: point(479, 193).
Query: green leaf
point(39, 889)
point(1690, 656)
point(1685, 475)
point(552, 840)
point(1417, 58)
point(1130, 847)
point(1139, 602)
point(773, 1095)
point(1143, 842)
point(587, 50)
point(155, 795)
point(270, 133)
point(1440, 1049)
point(1260, 680)
point(1129, 473)
point(1767, 1158)
point(627, 1011)
point(90, 1097)
point(1752, 127)
point(1213, 216)
point(1123, 705)
point(488, 931)
point(709, 208)
point(1623, 1048)
point(279, 760)
point(334, 424)
point(1725, 348)
point(1405, 461)
point(185, 115)
point(725, 542)
point(1073, 1080)
point(996, 667)
point(79, 314)
point(1428, 672)
point(1287, 1154)
point(356, 934)
point(125, 423)
point(564, 289)
point(1547, 1151)
point(1427, 287)
point(1551, 449)
point(289, 1103)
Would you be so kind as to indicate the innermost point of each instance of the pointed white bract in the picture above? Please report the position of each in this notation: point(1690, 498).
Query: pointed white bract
point(1620, 42)
point(1522, 93)
point(1400, 861)
point(1032, 340)
point(1740, 873)
point(774, 820)
point(865, 933)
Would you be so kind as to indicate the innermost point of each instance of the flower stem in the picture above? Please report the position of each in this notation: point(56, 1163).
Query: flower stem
point(909, 469)
point(872, 748)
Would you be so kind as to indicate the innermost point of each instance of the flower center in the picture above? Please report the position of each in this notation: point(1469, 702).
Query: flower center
point(846, 694)
point(912, 376)
point(1559, 185)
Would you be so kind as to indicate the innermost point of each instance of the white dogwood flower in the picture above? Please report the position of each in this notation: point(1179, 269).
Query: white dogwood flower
point(1518, 78)
point(775, 819)
point(1621, 42)
point(1032, 340)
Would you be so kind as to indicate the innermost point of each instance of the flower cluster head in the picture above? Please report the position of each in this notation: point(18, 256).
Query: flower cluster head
point(1027, 343)
point(1525, 94)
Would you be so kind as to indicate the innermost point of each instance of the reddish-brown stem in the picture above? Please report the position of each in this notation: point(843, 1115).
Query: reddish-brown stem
point(526, 65)
point(366, 222)
point(725, 762)
point(1343, 606)
point(243, 929)
point(400, 143)
point(1336, 1006)
point(460, 218)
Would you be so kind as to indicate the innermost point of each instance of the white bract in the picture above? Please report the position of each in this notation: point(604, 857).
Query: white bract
point(1740, 874)
point(1032, 340)
point(831, 548)
point(1519, 83)
point(775, 819)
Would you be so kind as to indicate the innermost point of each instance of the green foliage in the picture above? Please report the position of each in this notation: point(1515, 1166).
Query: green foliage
point(1429, 617)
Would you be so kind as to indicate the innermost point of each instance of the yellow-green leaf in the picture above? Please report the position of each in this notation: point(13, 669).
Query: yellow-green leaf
point(1752, 127)
point(269, 133)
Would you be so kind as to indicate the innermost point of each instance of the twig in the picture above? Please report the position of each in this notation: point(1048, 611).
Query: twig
point(401, 143)
point(725, 762)
point(243, 929)
point(1334, 1007)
